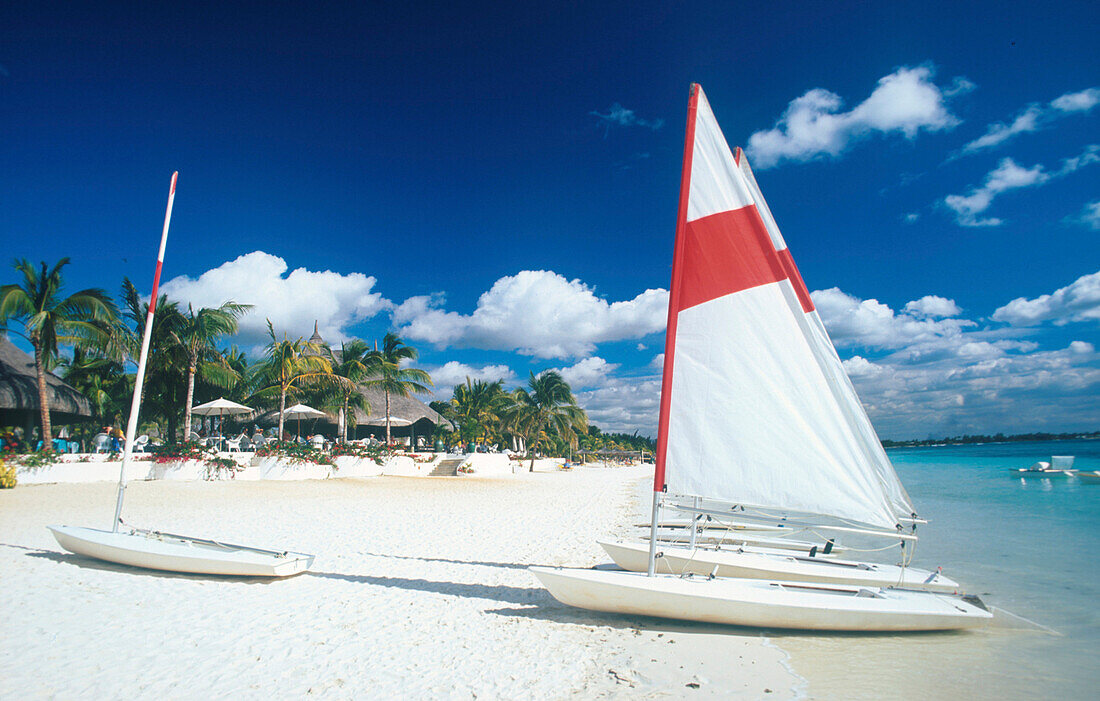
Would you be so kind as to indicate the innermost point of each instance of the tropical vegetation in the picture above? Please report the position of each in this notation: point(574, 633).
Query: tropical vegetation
point(93, 343)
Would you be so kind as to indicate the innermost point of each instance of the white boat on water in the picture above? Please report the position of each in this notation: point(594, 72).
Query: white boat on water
point(175, 553)
point(757, 412)
point(764, 564)
point(1059, 466)
point(163, 551)
point(1090, 477)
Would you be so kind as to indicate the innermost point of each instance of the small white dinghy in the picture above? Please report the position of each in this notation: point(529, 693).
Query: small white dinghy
point(776, 566)
point(762, 603)
point(175, 553)
point(165, 551)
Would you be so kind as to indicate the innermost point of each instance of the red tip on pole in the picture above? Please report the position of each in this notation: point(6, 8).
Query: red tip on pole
point(174, 176)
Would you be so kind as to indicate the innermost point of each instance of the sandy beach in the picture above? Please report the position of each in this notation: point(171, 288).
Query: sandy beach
point(420, 590)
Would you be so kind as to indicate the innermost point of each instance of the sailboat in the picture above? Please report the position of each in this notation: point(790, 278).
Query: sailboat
point(757, 411)
point(167, 551)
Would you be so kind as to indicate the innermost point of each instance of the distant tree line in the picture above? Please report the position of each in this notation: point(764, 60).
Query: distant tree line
point(995, 438)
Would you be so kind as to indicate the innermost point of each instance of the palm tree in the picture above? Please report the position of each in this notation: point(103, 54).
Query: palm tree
point(166, 364)
point(388, 375)
point(353, 364)
point(547, 406)
point(289, 364)
point(197, 337)
point(476, 407)
point(84, 318)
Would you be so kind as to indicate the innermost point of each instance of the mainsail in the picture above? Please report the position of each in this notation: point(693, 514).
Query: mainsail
point(756, 408)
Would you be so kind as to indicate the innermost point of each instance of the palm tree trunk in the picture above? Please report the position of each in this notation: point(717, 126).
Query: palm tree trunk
point(43, 399)
point(344, 422)
point(191, 368)
point(282, 408)
point(387, 418)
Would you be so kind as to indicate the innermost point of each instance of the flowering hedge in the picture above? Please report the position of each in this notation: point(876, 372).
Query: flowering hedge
point(295, 452)
point(191, 450)
point(379, 454)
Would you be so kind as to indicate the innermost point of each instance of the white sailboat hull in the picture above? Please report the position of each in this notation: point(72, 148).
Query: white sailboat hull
point(713, 525)
point(760, 603)
point(776, 566)
point(171, 553)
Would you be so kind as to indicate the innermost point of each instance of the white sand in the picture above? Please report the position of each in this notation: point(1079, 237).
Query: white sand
point(420, 590)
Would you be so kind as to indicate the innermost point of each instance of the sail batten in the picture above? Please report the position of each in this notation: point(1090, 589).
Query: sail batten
point(756, 407)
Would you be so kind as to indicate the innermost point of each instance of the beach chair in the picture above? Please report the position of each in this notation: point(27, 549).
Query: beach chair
point(141, 443)
point(233, 445)
point(101, 444)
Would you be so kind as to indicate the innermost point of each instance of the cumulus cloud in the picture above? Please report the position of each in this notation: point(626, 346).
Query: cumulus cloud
point(1008, 175)
point(452, 373)
point(906, 101)
point(1078, 301)
point(625, 404)
point(293, 301)
point(932, 306)
point(537, 313)
point(869, 323)
point(590, 372)
point(619, 116)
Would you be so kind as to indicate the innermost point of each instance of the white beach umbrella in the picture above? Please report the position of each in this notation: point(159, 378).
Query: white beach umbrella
point(301, 411)
point(220, 407)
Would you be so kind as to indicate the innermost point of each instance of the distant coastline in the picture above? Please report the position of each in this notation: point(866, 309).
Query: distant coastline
point(997, 438)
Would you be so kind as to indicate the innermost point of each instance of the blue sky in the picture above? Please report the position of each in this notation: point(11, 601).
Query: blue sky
point(498, 182)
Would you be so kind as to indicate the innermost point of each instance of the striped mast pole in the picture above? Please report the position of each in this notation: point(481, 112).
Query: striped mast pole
point(135, 403)
point(670, 331)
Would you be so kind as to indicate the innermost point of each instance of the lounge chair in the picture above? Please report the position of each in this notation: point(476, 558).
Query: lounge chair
point(101, 443)
point(233, 445)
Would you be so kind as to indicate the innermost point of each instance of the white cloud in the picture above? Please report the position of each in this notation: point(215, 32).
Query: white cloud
point(1090, 215)
point(535, 312)
point(1008, 175)
point(1078, 301)
point(590, 372)
point(619, 116)
point(872, 324)
point(998, 133)
point(625, 404)
point(452, 373)
point(906, 101)
point(911, 218)
point(932, 306)
point(293, 301)
point(1034, 117)
point(1078, 101)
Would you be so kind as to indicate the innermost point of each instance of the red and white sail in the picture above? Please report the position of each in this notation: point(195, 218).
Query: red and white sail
point(755, 407)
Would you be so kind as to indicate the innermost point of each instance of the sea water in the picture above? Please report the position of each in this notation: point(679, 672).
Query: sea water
point(1030, 546)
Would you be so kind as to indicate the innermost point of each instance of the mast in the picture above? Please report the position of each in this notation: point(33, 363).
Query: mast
point(135, 402)
point(670, 330)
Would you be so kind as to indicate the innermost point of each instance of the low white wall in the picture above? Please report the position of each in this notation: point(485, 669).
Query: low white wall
point(97, 468)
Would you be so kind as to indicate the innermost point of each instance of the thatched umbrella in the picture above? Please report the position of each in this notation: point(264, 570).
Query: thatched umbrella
point(19, 392)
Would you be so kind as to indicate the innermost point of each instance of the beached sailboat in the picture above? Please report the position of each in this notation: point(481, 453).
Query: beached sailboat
point(166, 551)
point(757, 411)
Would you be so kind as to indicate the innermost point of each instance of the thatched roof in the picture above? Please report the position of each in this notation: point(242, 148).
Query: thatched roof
point(19, 390)
point(408, 408)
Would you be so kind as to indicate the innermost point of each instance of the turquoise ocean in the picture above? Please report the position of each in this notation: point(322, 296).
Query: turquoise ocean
point(1029, 546)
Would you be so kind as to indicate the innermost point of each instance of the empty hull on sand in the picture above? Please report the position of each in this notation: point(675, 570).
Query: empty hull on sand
point(172, 553)
point(760, 603)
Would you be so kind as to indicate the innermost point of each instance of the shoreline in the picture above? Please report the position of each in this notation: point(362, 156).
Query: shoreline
point(420, 589)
